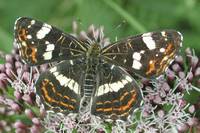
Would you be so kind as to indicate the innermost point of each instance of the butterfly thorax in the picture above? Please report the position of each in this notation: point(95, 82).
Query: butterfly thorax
point(93, 51)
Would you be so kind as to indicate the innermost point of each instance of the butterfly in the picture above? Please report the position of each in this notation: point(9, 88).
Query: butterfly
point(89, 76)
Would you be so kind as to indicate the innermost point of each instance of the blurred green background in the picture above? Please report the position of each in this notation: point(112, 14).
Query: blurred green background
point(120, 18)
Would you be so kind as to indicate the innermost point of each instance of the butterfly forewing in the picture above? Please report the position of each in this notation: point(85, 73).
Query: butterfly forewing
point(60, 87)
point(40, 43)
point(147, 54)
point(116, 95)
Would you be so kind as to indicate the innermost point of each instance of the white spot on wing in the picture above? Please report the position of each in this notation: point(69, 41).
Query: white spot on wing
point(120, 84)
point(181, 38)
point(142, 52)
point(24, 43)
point(43, 31)
point(112, 67)
point(32, 22)
point(60, 78)
point(71, 62)
point(124, 82)
point(46, 42)
point(66, 82)
point(71, 84)
point(100, 90)
point(163, 33)
point(129, 79)
point(116, 86)
point(76, 88)
point(55, 73)
point(148, 40)
point(53, 69)
point(165, 58)
point(29, 36)
point(106, 88)
point(136, 64)
point(50, 47)
point(47, 55)
point(136, 56)
point(162, 50)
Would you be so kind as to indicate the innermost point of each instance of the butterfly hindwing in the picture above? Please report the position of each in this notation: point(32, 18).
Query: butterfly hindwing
point(116, 95)
point(148, 54)
point(59, 88)
point(40, 43)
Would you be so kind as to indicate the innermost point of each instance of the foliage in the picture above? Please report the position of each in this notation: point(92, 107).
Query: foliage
point(120, 18)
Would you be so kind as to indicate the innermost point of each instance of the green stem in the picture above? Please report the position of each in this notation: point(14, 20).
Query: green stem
point(130, 19)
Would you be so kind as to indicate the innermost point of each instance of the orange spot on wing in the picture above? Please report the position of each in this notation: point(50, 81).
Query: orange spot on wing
point(67, 105)
point(33, 54)
point(107, 109)
point(52, 87)
point(70, 99)
point(60, 95)
point(169, 56)
point(168, 49)
point(165, 63)
point(29, 52)
point(22, 34)
point(129, 104)
point(46, 95)
point(115, 100)
point(120, 108)
point(66, 97)
point(124, 95)
point(45, 83)
point(151, 67)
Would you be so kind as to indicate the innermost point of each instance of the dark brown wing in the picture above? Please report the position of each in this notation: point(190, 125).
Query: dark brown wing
point(60, 87)
point(117, 94)
point(40, 43)
point(148, 54)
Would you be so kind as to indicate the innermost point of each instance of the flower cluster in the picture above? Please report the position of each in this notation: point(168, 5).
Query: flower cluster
point(167, 103)
point(19, 110)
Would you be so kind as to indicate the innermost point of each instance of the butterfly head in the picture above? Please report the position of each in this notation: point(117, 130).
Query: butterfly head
point(93, 51)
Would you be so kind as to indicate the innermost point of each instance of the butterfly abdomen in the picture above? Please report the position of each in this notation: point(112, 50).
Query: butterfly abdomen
point(89, 81)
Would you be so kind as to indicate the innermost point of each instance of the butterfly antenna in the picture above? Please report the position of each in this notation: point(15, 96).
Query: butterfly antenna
point(116, 28)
